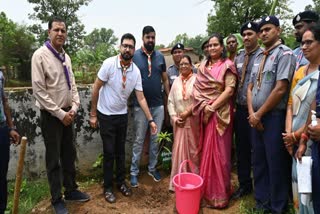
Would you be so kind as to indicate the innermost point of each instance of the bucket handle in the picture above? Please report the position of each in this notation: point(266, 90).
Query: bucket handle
point(180, 169)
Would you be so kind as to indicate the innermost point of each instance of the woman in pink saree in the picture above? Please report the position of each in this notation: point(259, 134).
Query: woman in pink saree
point(213, 102)
point(185, 126)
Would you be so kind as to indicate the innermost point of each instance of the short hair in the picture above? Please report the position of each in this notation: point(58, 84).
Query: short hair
point(220, 39)
point(128, 36)
point(55, 19)
point(232, 36)
point(147, 29)
point(315, 30)
point(187, 57)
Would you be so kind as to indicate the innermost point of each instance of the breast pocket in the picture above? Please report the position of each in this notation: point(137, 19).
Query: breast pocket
point(269, 74)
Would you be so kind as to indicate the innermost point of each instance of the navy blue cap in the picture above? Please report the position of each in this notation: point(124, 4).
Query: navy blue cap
point(269, 20)
point(308, 15)
point(177, 46)
point(250, 26)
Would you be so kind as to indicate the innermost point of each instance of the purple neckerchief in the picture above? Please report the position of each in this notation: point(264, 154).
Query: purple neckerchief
point(62, 60)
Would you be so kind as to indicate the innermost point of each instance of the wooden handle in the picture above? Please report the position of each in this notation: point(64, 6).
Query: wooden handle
point(17, 186)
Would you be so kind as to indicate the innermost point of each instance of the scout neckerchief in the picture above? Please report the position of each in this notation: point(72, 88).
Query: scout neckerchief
point(245, 64)
point(124, 68)
point(62, 59)
point(263, 61)
point(149, 59)
point(184, 83)
point(318, 97)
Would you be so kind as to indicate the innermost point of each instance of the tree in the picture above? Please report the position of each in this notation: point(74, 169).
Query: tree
point(192, 42)
point(231, 14)
point(98, 46)
point(66, 9)
point(16, 47)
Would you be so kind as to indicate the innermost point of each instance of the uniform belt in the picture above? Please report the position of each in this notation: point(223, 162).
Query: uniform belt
point(242, 106)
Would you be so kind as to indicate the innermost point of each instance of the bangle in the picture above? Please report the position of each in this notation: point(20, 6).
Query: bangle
point(304, 136)
point(150, 121)
point(294, 137)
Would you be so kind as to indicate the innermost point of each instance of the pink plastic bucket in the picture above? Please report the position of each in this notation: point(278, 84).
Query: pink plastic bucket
point(188, 190)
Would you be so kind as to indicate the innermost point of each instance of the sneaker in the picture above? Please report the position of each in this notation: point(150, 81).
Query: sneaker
point(76, 195)
point(60, 207)
point(134, 181)
point(156, 175)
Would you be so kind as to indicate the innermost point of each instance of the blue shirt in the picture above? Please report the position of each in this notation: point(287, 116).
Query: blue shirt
point(242, 90)
point(2, 115)
point(152, 86)
point(301, 60)
point(279, 65)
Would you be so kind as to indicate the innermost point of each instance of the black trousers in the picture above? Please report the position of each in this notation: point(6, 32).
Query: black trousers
point(60, 155)
point(4, 160)
point(243, 147)
point(113, 131)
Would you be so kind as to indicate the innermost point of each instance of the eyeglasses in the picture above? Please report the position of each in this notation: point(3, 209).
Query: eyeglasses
point(126, 46)
point(307, 42)
point(184, 64)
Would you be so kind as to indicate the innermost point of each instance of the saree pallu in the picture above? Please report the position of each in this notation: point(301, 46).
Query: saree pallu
point(215, 137)
point(303, 94)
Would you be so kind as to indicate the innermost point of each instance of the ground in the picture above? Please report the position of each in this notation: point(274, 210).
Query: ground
point(149, 198)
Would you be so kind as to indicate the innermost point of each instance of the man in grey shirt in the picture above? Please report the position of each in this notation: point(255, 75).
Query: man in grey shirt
point(244, 63)
point(267, 97)
point(301, 22)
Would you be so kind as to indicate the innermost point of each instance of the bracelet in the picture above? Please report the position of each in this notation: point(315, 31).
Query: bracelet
point(294, 136)
point(92, 115)
point(150, 121)
point(254, 116)
point(304, 136)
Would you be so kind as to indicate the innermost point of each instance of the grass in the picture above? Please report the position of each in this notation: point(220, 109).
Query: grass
point(247, 204)
point(31, 193)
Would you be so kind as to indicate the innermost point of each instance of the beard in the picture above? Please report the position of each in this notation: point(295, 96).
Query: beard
point(126, 56)
point(299, 39)
point(149, 46)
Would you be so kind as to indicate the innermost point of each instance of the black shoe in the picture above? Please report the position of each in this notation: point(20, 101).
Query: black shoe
point(76, 195)
point(109, 196)
point(241, 192)
point(125, 190)
point(60, 207)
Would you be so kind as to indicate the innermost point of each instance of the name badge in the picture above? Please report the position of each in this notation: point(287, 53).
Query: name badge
point(239, 65)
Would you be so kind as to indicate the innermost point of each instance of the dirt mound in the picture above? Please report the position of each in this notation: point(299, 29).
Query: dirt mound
point(149, 198)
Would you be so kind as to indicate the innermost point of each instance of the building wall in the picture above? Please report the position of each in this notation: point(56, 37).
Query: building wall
point(88, 142)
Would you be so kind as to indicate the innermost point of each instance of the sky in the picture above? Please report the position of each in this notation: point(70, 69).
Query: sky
point(168, 17)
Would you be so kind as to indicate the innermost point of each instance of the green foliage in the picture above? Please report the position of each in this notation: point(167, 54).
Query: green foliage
point(44, 10)
point(231, 14)
point(16, 47)
point(165, 145)
point(99, 161)
point(190, 42)
point(30, 194)
point(98, 46)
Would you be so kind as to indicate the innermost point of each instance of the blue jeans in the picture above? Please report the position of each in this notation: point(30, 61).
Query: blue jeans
point(141, 126)
point(4, 160)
